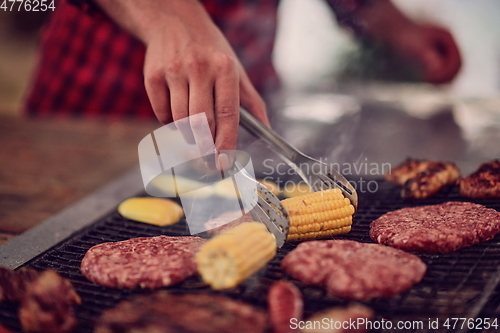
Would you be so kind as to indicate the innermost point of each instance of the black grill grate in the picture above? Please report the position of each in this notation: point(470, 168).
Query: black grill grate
point(454, 285)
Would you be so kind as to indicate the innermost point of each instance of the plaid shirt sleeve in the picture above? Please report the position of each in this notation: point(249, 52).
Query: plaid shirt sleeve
point(88, 66)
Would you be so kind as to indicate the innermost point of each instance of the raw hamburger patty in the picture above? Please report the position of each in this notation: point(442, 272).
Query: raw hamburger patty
point(189, 313)
point(354, 270)
point(147, 262)
point(441, 228)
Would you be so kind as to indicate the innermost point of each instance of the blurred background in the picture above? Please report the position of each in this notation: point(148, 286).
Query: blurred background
point(311, 49)
point(311, 46)
point(19, 33)
point(343, 102)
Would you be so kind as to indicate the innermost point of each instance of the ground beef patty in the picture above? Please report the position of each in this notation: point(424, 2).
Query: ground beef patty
point(441, 228)
point(147, 262)
point(354, 270)
point(163, 312)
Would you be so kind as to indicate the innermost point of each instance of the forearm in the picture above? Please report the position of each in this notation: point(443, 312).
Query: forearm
point(145, 18)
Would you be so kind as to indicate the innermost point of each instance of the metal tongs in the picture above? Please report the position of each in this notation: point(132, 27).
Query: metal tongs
point(269, 209)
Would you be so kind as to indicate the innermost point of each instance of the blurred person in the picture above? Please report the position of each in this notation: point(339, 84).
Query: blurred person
point(175, 58)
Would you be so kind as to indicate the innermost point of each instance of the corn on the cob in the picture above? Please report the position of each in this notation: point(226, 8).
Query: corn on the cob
point(318, 214)
point(296, 189)
point(155, 211)
point(229, 258)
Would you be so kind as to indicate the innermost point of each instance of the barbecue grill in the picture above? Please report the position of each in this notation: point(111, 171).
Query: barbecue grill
point(461, 284)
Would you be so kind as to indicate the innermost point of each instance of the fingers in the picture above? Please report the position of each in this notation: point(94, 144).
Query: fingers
point(251, 99)
point(179, 92)
point(201, 101)
point(159, 96)
point(227, 112)
point(199, 84)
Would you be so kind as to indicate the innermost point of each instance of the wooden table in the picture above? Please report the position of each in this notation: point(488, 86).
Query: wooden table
point(47, 165)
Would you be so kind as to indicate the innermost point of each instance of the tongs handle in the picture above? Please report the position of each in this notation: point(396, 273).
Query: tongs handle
point(261, 131)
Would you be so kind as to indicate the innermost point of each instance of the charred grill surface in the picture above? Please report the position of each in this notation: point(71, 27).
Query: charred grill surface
point(456, 284)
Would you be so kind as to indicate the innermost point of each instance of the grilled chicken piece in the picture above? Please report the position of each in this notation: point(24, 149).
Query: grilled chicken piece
point(47, 305)
point(421, 179)
point(484, 183)
point(163, 312)
point(13, 283)
point(45, 299)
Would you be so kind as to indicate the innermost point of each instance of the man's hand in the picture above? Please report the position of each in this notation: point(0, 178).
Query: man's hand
point(432, 48)
point(190, 68)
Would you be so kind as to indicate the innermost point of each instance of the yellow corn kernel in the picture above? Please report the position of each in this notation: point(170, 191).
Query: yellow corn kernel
point(155, 211)
point(319, 214)
point(292, 190)
point(231, 257)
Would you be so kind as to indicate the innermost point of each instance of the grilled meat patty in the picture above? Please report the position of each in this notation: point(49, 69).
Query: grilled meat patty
point(441, 228)
point(147, 262)
point(284, 303)
point(421, 179)
point(484, 183)
point(163, 312)
point(353, 270)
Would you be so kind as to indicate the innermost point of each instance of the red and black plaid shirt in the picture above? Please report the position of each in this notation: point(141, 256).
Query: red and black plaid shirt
point(90, 66)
